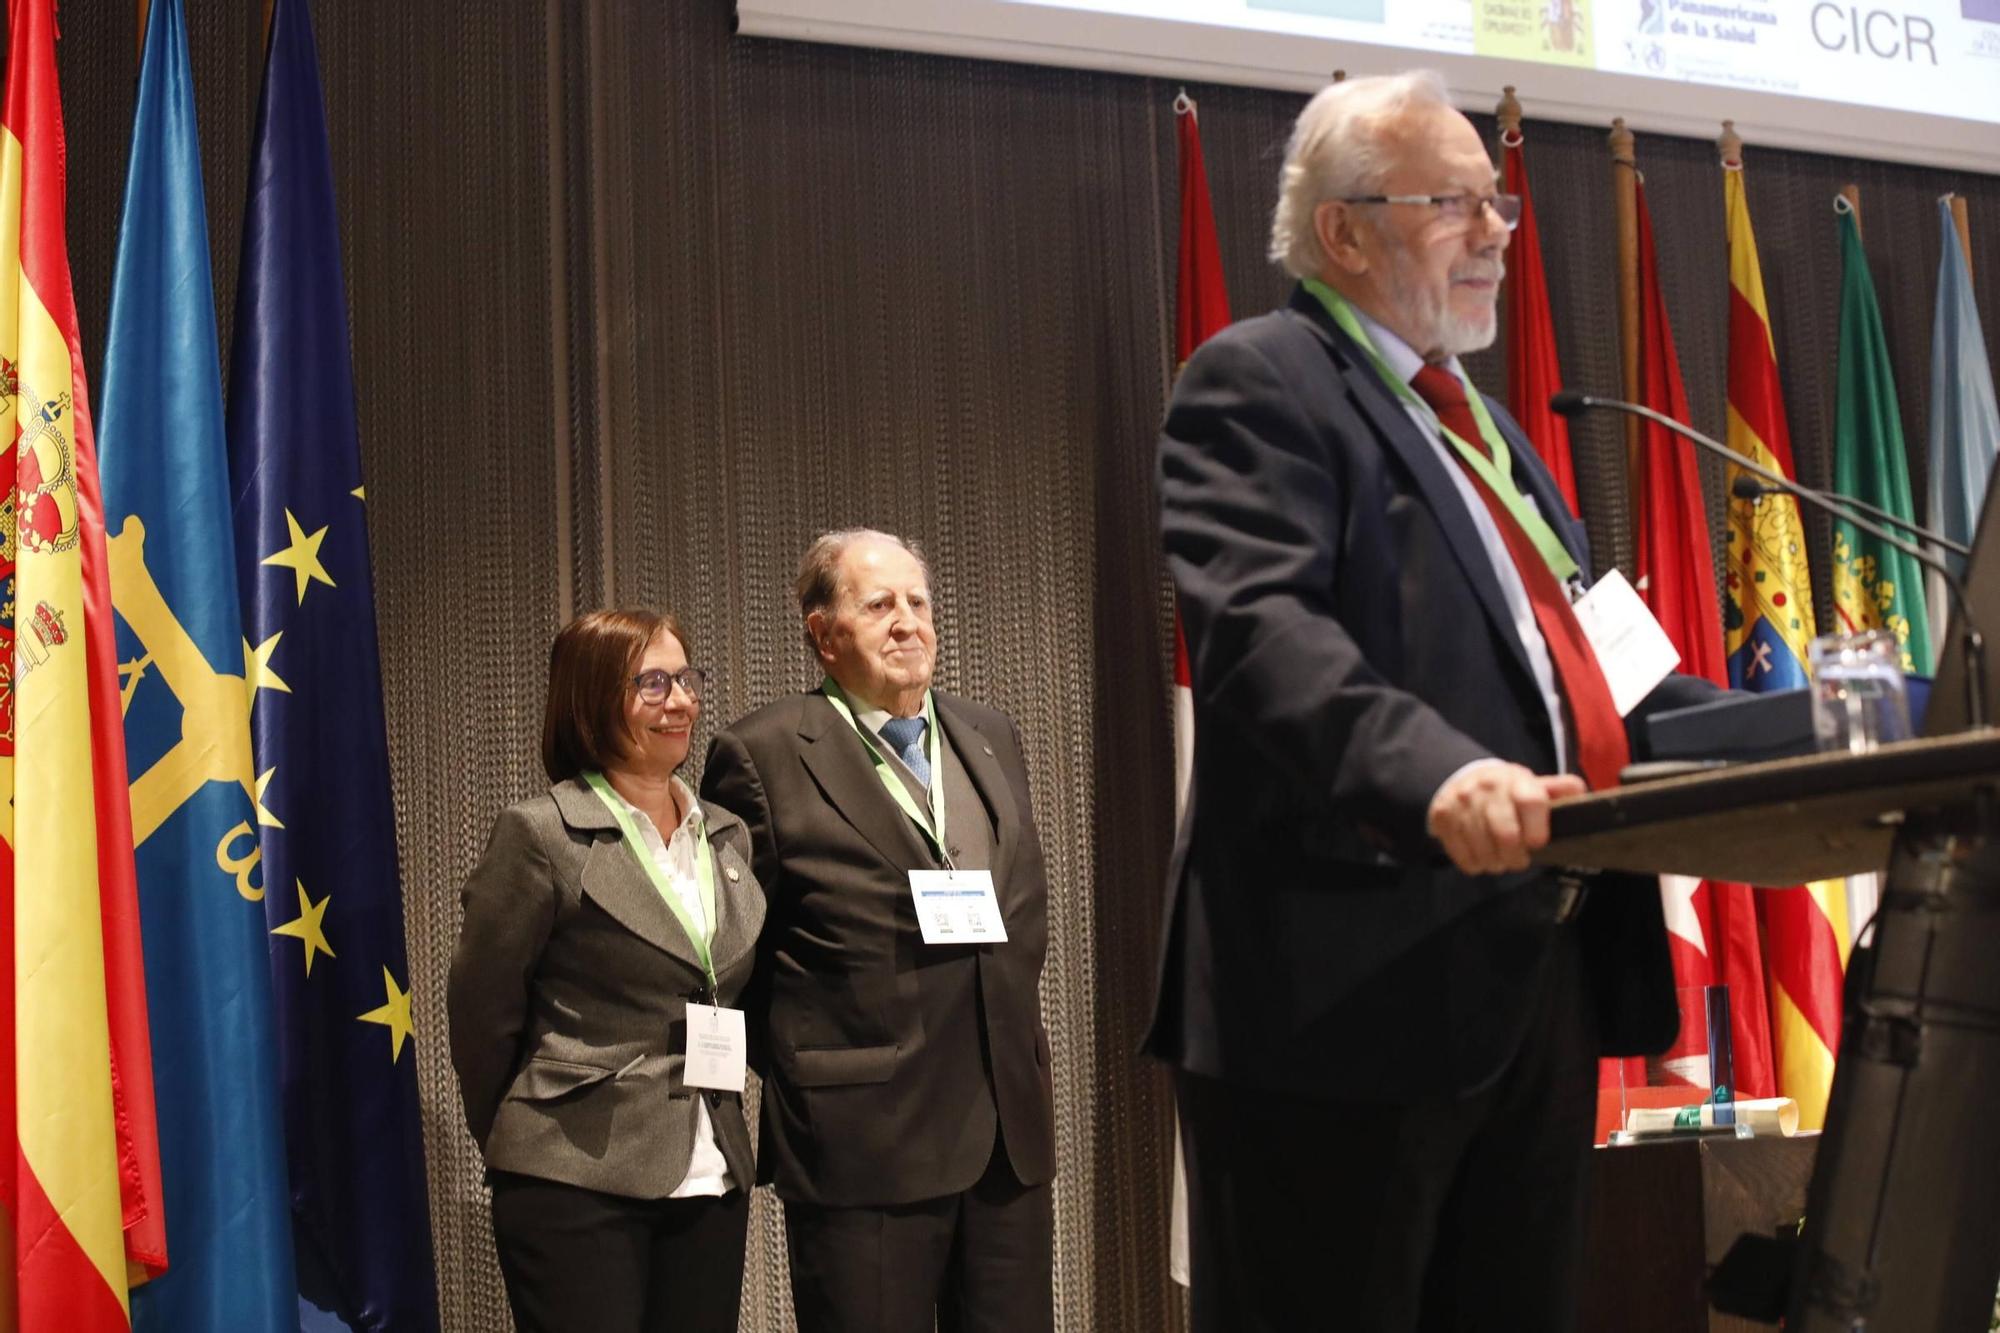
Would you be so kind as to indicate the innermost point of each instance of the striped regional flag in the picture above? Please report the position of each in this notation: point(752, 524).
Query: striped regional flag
point(1201, 309)
point(1768, 622)
point(80, 1192)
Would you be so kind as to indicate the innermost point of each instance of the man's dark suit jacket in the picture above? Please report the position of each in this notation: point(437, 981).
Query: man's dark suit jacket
point(1351, 649)
point(886, 1061)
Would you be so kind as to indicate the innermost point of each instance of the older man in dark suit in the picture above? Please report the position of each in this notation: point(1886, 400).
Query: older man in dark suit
point(1385, 1024)
point(908, 1117)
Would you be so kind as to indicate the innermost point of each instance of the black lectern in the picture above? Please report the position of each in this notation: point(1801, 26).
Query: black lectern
point(1903, 1214)
point(1902, 1229)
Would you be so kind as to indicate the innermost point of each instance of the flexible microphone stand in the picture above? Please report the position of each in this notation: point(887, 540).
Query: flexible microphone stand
point(1971, 643)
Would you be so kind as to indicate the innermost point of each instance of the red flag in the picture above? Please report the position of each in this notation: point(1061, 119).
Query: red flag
point(1712, 925)
point(1201, 305)
point(1533, 372)
point(81, 1189)
point(1201, 309)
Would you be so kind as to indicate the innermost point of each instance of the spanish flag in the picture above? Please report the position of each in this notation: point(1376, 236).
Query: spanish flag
point(1768, 621)
point(80, 1193)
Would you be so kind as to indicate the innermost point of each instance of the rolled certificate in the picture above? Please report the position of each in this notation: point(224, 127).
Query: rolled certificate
point(1764, 1115)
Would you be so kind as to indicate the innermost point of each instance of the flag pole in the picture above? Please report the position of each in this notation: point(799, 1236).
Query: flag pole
point(1729, 144)
point(1960, 221)
point(1852, 194)
point(145, 8)
point(1624, 189)
point(1509, 114)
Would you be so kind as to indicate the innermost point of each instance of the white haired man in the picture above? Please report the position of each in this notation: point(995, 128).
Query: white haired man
point(908, 1114)
point(1384, 1023)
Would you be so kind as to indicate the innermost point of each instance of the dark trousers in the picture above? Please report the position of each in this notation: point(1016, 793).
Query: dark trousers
point(981, 1261)
point(575, 1259)
point(1454, 1214)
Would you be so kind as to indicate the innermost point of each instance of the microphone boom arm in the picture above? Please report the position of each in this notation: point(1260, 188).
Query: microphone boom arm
point(1747, 488)
point(1972, 644)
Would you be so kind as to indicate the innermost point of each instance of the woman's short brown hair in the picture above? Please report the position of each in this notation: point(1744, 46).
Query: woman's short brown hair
point(590, 663)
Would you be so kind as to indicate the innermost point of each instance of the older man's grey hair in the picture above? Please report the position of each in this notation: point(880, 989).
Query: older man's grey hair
point(818, 584)
point(1337, 151)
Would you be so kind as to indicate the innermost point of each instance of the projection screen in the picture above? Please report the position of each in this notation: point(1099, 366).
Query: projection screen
point(1902, 80)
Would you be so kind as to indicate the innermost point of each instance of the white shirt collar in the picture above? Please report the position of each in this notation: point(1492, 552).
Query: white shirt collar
point(690, 822)
point(873, 718)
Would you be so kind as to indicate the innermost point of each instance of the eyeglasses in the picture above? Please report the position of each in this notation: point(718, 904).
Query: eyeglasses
point(656, 687)
point(1460, 209)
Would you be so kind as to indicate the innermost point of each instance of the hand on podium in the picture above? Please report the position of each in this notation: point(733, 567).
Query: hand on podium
point(1491, 814)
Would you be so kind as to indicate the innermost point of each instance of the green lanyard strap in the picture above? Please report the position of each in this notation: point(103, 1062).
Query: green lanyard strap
point(704, 872)
point(1496, 471)
point(929, 822)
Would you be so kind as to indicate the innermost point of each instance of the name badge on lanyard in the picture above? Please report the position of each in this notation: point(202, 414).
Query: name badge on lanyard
point(957, 907)
point(1632, 650)
point(716, 1048)
point(954, 906)
point(716, 1045)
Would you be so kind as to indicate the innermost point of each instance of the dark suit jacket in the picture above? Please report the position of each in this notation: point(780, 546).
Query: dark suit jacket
point(887, 1062)
point(1350, 650)
point(568, 1000)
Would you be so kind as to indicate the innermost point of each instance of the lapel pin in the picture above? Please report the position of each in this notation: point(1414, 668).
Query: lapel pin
point(988, 749)
point(731, 872)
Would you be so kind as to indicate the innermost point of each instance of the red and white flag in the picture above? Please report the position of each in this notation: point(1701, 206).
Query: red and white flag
point(1201, 308)
point(1711, 926)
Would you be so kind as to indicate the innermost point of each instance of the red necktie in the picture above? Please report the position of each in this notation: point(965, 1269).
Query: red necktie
point(1595, 727)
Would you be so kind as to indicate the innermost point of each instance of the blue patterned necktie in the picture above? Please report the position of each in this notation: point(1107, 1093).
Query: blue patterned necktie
point(907, 735)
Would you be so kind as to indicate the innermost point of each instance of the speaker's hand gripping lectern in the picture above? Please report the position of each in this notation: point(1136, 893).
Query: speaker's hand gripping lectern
point(1903, 1214)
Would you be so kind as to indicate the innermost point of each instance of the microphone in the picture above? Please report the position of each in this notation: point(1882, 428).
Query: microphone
point(1748, 487)
point(1972, 644)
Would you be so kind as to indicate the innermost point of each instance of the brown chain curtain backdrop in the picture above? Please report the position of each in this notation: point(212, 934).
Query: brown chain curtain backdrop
point(638, 307)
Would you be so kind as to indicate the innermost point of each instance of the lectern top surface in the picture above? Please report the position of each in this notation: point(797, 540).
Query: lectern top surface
point(1783, 822)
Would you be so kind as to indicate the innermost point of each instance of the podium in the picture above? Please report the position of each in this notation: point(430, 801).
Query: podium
point(1902, 1218)
point(1645, 1264)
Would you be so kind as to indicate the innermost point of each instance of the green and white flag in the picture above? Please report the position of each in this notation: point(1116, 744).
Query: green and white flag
point(1875, 586)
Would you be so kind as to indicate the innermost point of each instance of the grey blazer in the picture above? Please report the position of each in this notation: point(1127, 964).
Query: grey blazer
point(568, 1000)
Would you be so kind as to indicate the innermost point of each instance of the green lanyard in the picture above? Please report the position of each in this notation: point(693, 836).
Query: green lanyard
point(931, 822)
point(1496, 471)
point(704, 871)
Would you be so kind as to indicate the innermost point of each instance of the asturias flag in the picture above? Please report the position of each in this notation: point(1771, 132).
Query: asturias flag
point(187, 735)
point(333, 895)
point(80, 1190)
point(1768, 621)
point(1875, 586)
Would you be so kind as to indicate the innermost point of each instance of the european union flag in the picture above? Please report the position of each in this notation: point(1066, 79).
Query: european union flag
point(360, 1218)
point(182, 663)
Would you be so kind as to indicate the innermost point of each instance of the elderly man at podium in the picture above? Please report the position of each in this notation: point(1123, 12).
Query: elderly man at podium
point(1384, 1023)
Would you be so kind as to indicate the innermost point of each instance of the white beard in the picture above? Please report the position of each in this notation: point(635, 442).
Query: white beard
point(1436, 330)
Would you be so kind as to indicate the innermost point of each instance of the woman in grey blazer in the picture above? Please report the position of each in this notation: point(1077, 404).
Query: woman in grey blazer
point(607, 921)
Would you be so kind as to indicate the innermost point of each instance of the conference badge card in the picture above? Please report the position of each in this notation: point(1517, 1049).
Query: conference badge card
point(957, 907)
